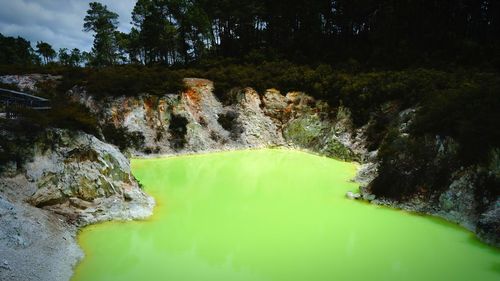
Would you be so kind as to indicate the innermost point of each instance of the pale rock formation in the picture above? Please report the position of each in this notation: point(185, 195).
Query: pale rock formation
point(79, 176)
point(27, 82)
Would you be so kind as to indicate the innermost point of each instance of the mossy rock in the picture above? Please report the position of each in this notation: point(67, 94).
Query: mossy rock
point(304, 131)
point(81, 154)
point(335, 149)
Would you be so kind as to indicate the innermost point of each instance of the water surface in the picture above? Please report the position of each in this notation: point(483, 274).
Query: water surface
point(274, 215)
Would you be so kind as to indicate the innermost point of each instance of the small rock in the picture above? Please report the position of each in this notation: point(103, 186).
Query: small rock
point(369, 197)
point(5, 265)
point(352, 195)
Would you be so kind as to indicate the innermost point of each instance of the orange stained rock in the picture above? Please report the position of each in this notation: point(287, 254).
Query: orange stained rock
point(193, 97)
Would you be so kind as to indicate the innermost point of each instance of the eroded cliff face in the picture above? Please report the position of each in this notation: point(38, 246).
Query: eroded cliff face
point(195, 121)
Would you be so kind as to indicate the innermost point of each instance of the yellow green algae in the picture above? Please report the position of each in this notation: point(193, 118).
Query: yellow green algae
point(274, 215)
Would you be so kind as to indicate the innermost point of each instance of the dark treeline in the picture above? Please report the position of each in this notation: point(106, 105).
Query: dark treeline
point(375, 33)
point(16, 51)
point(19, 52)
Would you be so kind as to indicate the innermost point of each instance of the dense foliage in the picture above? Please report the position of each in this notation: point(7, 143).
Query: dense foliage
point(412, 165)
point(16, 51)
point(103, 23)
point(121, 80)
point(374, 32)
point(456, 126)
point(122, 138)
point(468, 112)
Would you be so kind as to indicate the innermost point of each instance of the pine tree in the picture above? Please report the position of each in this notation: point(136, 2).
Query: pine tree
point(46, 51)
point(104, 24)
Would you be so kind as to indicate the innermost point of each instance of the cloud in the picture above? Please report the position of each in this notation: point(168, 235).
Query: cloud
point(58, 22)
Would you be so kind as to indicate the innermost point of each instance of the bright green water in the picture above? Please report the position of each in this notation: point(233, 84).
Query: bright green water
point(274, 215)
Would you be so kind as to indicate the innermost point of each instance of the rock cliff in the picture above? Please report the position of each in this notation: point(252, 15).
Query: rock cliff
point(195, 121)
point(85, 179)
point(72, 180)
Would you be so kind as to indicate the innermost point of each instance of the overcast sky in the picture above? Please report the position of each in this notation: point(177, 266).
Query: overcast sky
point(57, 22)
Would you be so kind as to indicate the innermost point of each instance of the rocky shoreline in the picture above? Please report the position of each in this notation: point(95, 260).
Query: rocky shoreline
point(75, 179)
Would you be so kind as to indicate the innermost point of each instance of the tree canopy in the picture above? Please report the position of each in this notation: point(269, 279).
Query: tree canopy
point(375, 32)
point(103, 23)
point(16, 51)
point(385, 34)
point(46, 51)
point(70, 58)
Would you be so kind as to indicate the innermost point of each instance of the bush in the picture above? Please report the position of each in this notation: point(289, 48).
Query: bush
point(123, 138)
point(469, 113)
point(132, 80)
point(71, 116)
point(412, 165)
point(178, 131)
point(16, 140)
point(458, 106)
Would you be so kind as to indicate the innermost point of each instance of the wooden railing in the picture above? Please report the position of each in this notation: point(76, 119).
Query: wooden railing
point(10, 100)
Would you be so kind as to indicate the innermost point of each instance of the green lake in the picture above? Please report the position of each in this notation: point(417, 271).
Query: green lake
point(274, 215)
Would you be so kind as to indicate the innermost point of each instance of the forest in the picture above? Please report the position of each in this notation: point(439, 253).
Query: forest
point(365, 33)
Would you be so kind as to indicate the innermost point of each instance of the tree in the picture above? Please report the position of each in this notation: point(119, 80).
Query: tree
point(104, 24)
point(172, 31)
point(386, 33)
point(73, 58)
point(133, 46)
point(156, 31)
point(16, 51)
point(76, 57)
point(194, 27)
point(86, 58)
point(46, 51)
point(64, 57)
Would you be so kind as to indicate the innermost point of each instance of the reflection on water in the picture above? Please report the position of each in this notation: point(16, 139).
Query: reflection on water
point(274, 215)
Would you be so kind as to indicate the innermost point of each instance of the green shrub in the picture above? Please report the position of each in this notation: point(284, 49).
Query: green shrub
point(469, 113)
point(71, 116)
point(335, 149)
point(178, 131)
point(131, 81)
point(9, 86)
point(16, 140)
point(411, 165)
point(122, 138)
point(304, 131)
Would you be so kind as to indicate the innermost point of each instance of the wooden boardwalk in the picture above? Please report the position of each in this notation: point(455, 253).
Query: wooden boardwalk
point(10, 100)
